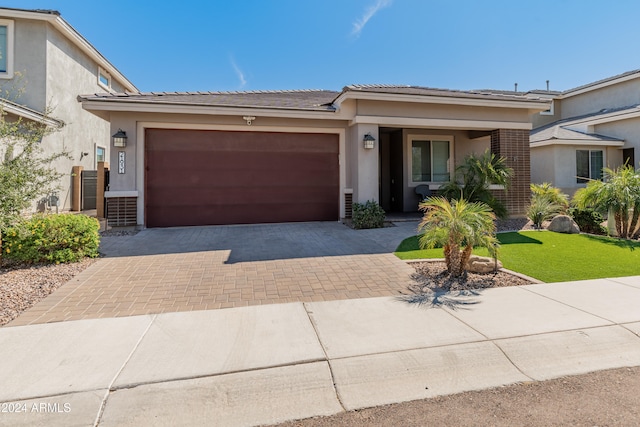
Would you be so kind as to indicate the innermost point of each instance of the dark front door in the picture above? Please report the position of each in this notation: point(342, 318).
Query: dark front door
point(628, 157)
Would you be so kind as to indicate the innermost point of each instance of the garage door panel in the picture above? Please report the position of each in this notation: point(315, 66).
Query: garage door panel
point(221, 196)
point(216, 177)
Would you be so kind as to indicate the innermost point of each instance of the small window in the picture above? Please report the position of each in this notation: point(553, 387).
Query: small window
point(104, 79)
point(548, 112)
point(100, 154)
point(589, 164)
point(430, 159)
point(6, 49)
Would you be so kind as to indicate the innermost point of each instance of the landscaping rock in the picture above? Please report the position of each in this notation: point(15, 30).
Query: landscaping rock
point(564, 224)
point(482, 264)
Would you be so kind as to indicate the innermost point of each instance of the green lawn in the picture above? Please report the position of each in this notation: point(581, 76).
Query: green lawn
point(553, 257)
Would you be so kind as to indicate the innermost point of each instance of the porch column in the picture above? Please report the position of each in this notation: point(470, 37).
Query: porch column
point(513, 145)
point(364, 163)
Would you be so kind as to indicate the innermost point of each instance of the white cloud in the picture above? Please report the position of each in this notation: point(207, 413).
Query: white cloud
point(358, 26)
point(239, 73)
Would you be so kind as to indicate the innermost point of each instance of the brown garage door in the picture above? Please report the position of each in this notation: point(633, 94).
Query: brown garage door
point(198, 177)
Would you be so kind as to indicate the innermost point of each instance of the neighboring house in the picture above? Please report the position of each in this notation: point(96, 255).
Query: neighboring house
point(43, 57)
point(586, 129)
point(279, 156)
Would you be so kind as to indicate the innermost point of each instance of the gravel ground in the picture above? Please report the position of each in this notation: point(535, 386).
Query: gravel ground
point(605, 398)
point(21, 286)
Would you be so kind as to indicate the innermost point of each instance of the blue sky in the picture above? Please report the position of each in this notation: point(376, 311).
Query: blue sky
point(327, 44)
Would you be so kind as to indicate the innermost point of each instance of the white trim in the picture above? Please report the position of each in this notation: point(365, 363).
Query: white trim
point(10, 48)
point(606, 118)
point(141, 126)
point(548, 112)
point(439, 123)
point(532, 104)
point(408, 147)
point(576, 142)
point(130, 193)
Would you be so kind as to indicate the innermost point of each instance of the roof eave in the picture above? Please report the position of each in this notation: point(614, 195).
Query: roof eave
point(156, 107)
point(29, 114)
point(554, 141)
point(76, 38)
point(530, 104)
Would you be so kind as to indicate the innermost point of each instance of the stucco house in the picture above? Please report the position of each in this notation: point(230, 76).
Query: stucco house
point(586, 128)
point(303, 155)
point(44, 64)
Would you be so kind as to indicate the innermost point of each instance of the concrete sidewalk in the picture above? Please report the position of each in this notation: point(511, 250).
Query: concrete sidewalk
point(267, 364)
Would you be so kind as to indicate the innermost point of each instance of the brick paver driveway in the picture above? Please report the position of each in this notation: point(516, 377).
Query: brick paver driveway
point(199, 268)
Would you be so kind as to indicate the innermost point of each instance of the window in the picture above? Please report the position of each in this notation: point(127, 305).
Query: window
point(548, 112)
point(6, 49)
point(589, 164)
point(100, 154)
point(430, 158)
point(104, 79)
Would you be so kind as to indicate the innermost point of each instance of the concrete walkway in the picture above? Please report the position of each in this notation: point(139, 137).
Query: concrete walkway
point(267, 364)
point(203, 268)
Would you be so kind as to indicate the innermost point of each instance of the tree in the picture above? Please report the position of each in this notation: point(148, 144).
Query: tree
point(619, 194)
point(546, 202)
point(458, 226)
point(26, 172)
point(474, 177)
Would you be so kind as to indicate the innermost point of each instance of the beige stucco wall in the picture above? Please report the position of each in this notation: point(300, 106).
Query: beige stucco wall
point(51, 72)
point(617, 95)
point(440, 111)
point(629, 130)
point(539, 119)
point(556, 164)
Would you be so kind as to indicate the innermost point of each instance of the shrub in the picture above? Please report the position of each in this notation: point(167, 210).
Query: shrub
point(555, 195)
point(588, 220)
point(542, 209)
point(368, 215)
point(52, 239)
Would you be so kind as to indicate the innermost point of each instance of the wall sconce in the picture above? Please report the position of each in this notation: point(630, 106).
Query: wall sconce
point(120, 138)
point(368, 141)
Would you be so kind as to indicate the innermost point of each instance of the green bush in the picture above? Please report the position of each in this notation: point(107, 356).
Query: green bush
point(542, 208)
point(368, 215)
point(588, 220)
point(52, 239)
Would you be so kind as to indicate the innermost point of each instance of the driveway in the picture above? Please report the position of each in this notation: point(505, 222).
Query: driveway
point(201, 268)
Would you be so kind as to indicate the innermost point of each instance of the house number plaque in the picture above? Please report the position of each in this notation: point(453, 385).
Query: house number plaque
point(120, 161)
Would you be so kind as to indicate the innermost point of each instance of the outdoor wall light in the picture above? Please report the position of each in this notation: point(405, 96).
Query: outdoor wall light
point(368, 141)
point(120, 138)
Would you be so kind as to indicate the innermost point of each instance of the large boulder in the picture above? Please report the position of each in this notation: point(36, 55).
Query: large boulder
point(564, 224)
point(482, 264)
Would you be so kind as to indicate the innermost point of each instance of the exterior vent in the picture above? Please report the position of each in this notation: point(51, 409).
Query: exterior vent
point(348, 205)
point(122, 211)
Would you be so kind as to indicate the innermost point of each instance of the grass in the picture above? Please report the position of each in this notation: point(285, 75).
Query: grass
point(553, 257)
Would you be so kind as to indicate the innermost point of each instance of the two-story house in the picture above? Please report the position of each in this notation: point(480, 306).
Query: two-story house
point(586, 128)
point(44, 65)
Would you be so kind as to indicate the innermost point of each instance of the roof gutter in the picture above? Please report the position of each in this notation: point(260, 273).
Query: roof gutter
point(29, 114)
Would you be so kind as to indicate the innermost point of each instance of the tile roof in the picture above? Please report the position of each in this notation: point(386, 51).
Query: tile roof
point(428, 91)
point(316, 100)
point(608, 79)
point(559, 132)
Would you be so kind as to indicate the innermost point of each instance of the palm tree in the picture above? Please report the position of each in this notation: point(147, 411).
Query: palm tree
point(553, 194)
point(618, 193)
point(458, 226)
point(474, 177)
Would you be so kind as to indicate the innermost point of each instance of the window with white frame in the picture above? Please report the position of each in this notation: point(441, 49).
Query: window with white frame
point(430, 158)
point(589, 164)
point(548, 112)
point(104, 79)
point(6, 49)
point(100, 154)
